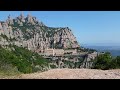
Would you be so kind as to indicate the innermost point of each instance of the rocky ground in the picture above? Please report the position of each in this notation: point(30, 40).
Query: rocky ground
point(72, 74)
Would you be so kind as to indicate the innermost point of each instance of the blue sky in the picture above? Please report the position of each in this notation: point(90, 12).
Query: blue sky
point(89, 27)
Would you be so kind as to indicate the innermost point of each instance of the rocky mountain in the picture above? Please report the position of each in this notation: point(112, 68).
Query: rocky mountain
point(33, 34)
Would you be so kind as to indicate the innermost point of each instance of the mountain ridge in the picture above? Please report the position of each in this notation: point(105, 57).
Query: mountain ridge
point(30, 33)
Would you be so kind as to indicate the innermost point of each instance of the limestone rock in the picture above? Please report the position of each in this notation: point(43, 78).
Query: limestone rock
point(30, 33)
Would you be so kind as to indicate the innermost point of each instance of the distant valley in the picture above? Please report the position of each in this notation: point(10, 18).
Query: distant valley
point(114, 50)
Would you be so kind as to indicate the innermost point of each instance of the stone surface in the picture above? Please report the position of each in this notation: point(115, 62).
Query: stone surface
point(36, 36)
point(70, 74)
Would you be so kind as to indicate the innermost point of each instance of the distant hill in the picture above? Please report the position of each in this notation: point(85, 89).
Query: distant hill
point(114, 50)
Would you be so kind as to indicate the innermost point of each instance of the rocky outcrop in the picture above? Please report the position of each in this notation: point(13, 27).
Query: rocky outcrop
point(88, 60)
point(30, 33)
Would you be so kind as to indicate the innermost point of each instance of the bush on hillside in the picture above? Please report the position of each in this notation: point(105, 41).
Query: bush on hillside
point(24, 60)
point(103, 61)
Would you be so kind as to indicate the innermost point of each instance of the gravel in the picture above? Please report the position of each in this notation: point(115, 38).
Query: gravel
point(70, 74)
point(74, 74)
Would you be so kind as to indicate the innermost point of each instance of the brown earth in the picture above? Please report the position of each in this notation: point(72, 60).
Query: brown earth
point(72, 74)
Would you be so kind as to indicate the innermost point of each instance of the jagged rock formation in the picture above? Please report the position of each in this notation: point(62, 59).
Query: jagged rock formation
point(34, 35)
point(88, 61)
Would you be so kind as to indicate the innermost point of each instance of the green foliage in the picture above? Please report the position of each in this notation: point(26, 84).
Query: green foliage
point(105, 61)
point(8, 39)
point(70, 64)
point(12, 39)
point(115, 63)
point(4, 36)
point(26, 34)
point(53, 66)
point(91, 50)
point(79, 63)
point(24, 60)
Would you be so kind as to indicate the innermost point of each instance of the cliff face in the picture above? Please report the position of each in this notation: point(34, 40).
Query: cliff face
point(34, 35)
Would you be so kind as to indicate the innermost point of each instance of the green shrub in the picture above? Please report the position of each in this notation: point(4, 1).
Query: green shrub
point(53, 66)
point(21, 58)
point(4, 36)
point(104, 62)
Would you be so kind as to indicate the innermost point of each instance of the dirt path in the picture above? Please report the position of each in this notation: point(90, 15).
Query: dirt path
point(74, 74)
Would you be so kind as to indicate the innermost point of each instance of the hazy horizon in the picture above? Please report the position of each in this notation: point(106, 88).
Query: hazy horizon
point(100, 44)
point(89, 27)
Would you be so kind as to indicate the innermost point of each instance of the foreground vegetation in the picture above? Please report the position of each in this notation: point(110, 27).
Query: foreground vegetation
point(15, 59)
point(106, 61)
